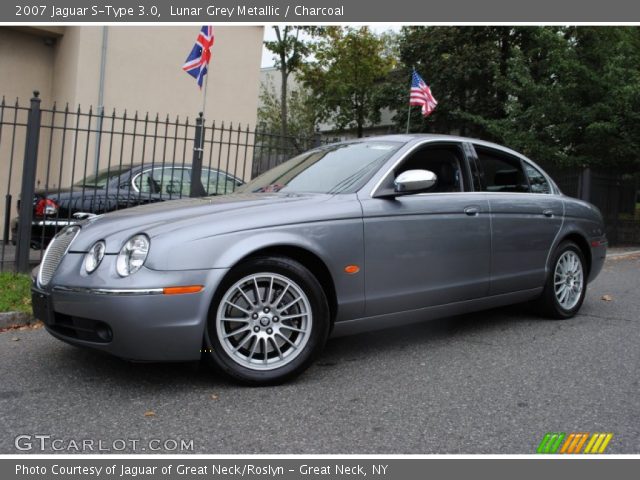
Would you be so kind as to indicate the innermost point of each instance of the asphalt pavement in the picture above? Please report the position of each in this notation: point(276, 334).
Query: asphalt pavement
point(490, 382)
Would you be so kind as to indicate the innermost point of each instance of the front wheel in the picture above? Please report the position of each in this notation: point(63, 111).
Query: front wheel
point(268, 321)
point(566, 284)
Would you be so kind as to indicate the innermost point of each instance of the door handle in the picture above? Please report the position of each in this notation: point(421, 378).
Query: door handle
point(548, 212)
point(472, 210)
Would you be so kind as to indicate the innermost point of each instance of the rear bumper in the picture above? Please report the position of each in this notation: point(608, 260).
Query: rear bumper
point(42, 230)
point(598, 246)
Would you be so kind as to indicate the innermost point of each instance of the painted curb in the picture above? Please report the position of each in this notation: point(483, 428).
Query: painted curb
point(623, 254)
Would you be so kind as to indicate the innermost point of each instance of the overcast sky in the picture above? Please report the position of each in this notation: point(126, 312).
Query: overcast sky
point(267, 56)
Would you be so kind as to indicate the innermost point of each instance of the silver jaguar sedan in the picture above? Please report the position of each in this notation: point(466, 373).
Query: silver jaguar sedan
point(348, 237)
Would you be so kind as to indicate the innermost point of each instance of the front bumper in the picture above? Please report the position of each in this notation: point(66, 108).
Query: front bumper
point(135, 321)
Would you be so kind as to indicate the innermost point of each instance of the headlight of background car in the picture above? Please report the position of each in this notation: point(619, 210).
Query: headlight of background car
point(132, 256)
point(94, 256)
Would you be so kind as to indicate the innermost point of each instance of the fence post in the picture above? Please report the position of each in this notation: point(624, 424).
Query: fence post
point(28, 185)
point(585, 184)
point(197, 189)
point(317, 138)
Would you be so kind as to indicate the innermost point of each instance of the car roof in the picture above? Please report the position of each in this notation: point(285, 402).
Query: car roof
point(418, 137)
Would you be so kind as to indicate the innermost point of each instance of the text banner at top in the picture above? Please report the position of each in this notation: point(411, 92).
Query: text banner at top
point(318, 11)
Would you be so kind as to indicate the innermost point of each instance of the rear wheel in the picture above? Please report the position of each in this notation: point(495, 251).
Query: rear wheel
point(566, 284)
point(268, 321)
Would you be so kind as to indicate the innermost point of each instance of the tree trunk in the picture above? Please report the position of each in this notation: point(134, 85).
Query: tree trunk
point(505, 53)
point(284, 128)
point(360, 121)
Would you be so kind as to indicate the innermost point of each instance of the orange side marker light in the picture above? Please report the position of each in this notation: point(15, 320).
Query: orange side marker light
point(182, 290)
point(351, 269)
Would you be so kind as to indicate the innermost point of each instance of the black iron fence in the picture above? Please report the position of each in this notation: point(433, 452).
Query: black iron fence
point(66, 163)
point(616, 194)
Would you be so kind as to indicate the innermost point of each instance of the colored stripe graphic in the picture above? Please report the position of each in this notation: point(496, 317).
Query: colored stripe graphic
point(573, 443)
point(598, 443)
point(551, 442)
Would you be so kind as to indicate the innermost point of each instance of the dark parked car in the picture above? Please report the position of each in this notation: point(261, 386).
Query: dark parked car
point(116, 188)
point(353, 236)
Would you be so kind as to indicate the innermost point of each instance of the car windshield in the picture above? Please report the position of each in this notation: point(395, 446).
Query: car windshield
point(101, 179)
point(339, 168)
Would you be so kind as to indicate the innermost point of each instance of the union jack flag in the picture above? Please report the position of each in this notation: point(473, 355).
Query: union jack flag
point(198, 60)
point(421, 95)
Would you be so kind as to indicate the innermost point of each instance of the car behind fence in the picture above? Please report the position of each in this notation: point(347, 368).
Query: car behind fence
point(69, 163)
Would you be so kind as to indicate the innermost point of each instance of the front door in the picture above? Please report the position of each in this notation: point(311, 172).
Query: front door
point(430, 248)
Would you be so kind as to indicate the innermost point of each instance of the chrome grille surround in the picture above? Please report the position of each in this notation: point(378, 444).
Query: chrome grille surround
point(54, 253)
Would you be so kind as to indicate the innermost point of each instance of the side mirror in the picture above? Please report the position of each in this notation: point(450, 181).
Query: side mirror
point(413, 181)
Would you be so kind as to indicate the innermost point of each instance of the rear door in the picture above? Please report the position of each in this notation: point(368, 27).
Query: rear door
point(526, 216)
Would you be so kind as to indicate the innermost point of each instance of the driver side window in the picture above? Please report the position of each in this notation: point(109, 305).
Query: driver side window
point(446, 161)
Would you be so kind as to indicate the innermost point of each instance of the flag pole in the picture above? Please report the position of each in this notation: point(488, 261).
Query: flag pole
point(204, 96)
point(409, 110)
point(204, 109)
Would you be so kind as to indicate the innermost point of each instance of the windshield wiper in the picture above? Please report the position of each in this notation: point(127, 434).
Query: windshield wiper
point(351, 179)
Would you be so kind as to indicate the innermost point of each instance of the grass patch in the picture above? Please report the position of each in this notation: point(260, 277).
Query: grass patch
point(15, 293)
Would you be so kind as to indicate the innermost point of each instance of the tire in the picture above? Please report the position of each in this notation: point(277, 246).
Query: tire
point(268, 334)
point(566, 284)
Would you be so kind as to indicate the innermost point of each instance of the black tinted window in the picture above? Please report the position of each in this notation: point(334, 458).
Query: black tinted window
point(537, 180)
point(445, 161)
point(103, 177)
point(501, 173)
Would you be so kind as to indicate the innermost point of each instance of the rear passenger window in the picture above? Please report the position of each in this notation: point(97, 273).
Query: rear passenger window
point(501, 173)
point(537, 180)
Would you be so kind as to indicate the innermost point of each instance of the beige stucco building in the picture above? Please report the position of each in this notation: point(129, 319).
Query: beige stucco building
point(132, 68)
point(142, 68)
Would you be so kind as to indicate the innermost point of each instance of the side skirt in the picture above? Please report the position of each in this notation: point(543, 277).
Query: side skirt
point(378, 322)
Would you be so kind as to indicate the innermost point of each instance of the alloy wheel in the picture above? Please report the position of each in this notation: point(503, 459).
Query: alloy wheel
point(264, 321)
point(568, 280)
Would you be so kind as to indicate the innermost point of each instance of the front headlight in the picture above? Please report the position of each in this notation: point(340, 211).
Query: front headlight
point(94, 256)
point(132, 256)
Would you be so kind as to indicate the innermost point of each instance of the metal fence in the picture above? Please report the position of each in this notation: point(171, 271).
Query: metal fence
point(57, 159)
point(616, 194)
point(69, 162)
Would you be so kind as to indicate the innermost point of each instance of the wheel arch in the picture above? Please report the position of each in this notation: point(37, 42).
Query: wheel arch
point(583, 244)
point(309, 260)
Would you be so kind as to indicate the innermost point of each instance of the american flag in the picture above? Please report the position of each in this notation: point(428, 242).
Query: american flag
point(198, 60)
point(421, 95)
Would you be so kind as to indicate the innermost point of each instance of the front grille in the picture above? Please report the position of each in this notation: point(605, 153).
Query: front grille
point(55, 251)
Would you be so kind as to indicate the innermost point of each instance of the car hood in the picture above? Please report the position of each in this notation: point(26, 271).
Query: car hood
point(199, 217)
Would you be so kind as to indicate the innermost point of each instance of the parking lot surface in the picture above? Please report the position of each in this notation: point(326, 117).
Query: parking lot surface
point(489, 382)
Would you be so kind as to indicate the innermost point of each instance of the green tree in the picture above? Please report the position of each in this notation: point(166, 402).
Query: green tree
point(290, 50)
point(562, 95)
point(465, 68)
point(346, 75)
point(301, 121)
